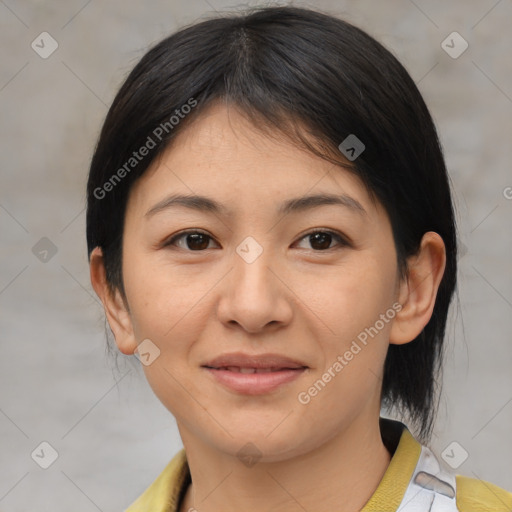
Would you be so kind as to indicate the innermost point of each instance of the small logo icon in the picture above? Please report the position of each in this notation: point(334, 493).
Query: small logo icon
point(146, 352)
point(351, 147)
point(454, 45)
point(454, 455)
point(249, 250)
point(44, 455)
point(249, 455)
point(44, 45)
point(44, 250)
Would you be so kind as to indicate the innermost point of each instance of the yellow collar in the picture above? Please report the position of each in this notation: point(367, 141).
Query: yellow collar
point(395, 481)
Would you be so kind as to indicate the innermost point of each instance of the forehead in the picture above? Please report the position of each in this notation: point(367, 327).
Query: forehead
point(223, 155)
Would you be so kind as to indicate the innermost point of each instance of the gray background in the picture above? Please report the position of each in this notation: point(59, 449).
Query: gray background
point(57, 385)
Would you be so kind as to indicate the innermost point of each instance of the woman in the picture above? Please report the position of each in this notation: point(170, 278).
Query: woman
point(270, 229)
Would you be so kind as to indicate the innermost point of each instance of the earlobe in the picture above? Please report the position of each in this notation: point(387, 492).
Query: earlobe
point(116, 311)
point(418, 290)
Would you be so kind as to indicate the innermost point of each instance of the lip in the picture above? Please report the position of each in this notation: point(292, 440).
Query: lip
point(276, 371)
point(242, 360)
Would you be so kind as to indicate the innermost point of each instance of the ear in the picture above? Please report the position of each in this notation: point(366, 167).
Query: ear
point(116, 310)
point(418, 290)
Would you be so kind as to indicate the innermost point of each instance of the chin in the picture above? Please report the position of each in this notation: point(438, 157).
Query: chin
point(253, 444)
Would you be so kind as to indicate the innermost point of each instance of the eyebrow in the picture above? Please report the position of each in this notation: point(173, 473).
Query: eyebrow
point(298, 204)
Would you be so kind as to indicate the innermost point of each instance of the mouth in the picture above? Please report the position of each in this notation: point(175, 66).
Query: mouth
point(254, 375)
point(249, 370)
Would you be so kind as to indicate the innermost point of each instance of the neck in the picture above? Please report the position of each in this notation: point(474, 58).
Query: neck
point(341, 474)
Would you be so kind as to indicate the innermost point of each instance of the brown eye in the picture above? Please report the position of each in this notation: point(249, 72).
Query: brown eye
point(321, 240)
point(192, 240)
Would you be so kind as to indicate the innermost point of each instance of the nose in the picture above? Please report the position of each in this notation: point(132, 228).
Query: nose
point(254, 294)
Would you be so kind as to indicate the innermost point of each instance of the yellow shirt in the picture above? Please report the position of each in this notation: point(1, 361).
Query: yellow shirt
point(472, 495)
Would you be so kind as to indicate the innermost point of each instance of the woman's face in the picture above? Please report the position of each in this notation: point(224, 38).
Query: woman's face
point(272, 273)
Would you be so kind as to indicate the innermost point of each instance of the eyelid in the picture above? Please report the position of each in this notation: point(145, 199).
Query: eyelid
point(170, 241)
point(343, 240)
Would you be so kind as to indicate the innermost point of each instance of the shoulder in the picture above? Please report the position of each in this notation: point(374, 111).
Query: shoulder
point(474, 495)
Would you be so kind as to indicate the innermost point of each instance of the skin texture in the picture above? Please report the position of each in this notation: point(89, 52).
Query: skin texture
point(297, 299)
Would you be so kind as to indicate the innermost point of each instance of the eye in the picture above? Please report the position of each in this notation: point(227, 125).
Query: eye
point(321, 240)
point(192, 240)
point(195, 240)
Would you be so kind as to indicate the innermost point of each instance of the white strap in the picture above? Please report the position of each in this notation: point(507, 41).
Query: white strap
point(431, 489)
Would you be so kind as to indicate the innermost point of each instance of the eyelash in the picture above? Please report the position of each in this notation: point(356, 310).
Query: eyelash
point(342, 241)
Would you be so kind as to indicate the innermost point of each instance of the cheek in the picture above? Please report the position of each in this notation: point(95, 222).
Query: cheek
point(356, 315)
point(351, 298)
point(161, 295)
point(168, 307)
point(354, 351)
